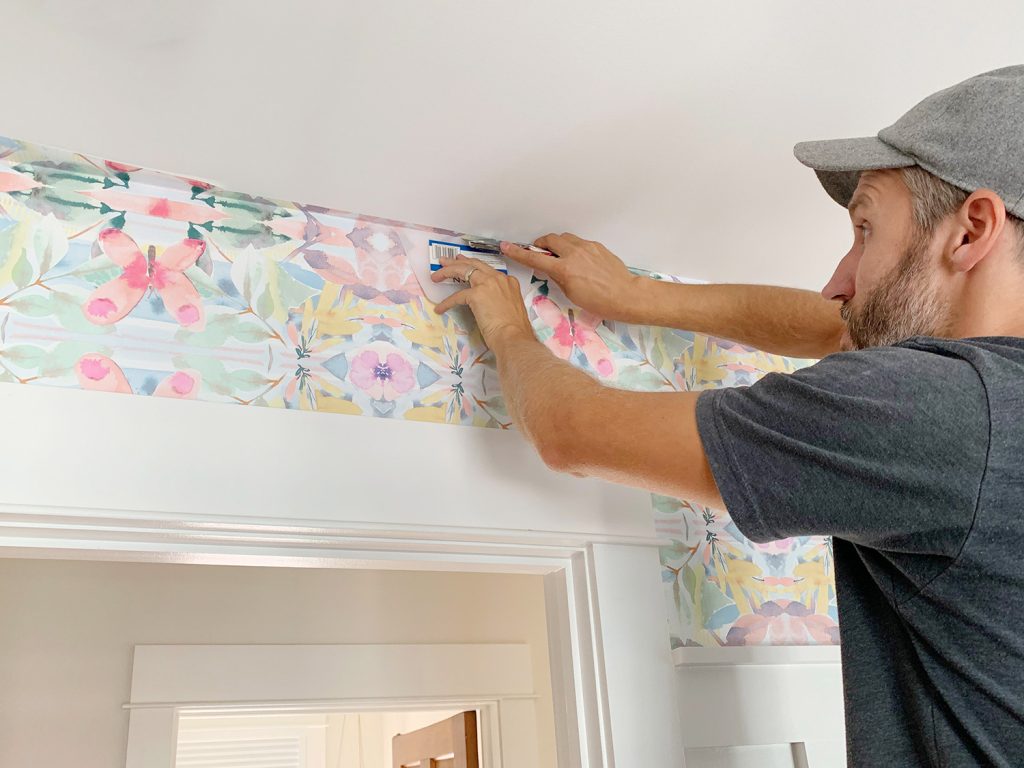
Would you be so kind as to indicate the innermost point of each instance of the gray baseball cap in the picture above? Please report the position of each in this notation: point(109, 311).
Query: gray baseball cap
point(970, 135)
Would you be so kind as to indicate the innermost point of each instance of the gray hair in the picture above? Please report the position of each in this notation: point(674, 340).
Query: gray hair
point(935, 199)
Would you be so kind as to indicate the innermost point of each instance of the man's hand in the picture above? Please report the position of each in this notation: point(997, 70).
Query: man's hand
point(645, 439)
point(591, 276)
point(494, 298)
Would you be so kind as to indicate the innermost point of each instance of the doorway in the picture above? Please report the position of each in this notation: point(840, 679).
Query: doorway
point(368, 739)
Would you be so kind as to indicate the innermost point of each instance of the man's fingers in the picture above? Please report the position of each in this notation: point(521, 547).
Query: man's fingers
point(456, 299)
point(557, 244)
point(458, 267)
point(544, 262)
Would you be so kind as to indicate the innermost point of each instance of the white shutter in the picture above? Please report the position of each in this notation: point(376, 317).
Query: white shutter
point(264, 742)
point(280, 752)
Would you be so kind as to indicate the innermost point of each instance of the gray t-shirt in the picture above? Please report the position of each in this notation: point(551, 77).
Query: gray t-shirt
point(910, 457)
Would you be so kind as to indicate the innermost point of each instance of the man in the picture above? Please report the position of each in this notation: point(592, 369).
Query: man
point(904, 442)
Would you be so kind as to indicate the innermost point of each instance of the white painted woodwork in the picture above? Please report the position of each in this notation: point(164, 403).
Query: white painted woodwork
point(771, 707)
point(180, 680)
point(194, 463)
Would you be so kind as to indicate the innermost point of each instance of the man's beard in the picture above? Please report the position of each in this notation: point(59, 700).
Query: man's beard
point(905, 303)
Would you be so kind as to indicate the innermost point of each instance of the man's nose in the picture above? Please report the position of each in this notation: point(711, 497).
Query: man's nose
point(841, 286)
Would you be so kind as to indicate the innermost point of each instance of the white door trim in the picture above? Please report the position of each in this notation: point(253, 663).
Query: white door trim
point(584, 725)
point(171, 681)
point(101, 476)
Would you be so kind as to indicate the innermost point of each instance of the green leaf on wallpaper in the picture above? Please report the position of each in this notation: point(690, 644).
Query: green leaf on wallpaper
point(716, 606)
point(24, 355)
point(673, 342)
point(248, 380)
point(251, 333)
point(611, 339)
point(265, 303)
point(639, 377)
point(64, 305)
point(33, 305)
point(204, 283)
point(245, 235)
point(98, 276)
point(685, 611)
point(218, 378)
point(71, 209)
point(22, 273)
point(50, 243)
point(31, 246)
point(676, 551)
point(666, 504)
point(96, 271)
point(276, 292)
point(690, 580)
point(657, 358)
point(58, 174)
point(222, 324)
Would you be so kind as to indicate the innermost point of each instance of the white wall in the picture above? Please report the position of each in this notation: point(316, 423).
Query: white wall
point(67, 629)
point(663, 128)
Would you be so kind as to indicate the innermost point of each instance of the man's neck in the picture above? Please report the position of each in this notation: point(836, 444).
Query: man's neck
point(990, 304)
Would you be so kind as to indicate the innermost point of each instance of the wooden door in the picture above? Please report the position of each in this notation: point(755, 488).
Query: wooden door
point(451, 743)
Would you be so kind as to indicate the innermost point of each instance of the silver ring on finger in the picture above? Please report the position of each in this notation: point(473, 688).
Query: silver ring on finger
point(470, 274)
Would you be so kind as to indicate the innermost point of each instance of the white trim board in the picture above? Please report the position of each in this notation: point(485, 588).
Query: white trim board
point(186, 675)
point(115, 454)
point(171, 681)
point(740, 697)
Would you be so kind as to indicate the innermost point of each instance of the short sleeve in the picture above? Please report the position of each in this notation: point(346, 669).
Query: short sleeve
point(884, 447)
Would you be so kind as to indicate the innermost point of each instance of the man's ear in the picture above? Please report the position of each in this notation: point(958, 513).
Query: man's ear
point(976, 229)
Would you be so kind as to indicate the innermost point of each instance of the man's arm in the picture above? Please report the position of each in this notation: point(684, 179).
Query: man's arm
point(782, 321)
point(785, 321)
point(644, 439)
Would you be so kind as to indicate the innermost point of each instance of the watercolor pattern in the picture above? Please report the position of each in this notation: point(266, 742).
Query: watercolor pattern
point(120, 279)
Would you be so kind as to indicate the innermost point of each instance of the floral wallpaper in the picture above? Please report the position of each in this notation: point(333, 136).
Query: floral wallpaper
point(120, 279)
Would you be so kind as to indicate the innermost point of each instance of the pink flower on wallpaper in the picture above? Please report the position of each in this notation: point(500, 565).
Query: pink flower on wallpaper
point(383, 372)
point(99, 373)
point(181, 384)
point(783, 622)
point(576, 329)
point(165, 273)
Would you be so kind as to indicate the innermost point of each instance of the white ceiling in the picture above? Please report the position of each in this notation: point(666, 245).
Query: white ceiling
point(662, 128)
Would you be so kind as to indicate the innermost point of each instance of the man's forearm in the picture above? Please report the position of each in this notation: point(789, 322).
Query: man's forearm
point(784, 321)
point(648, 440)
point(538, 387)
